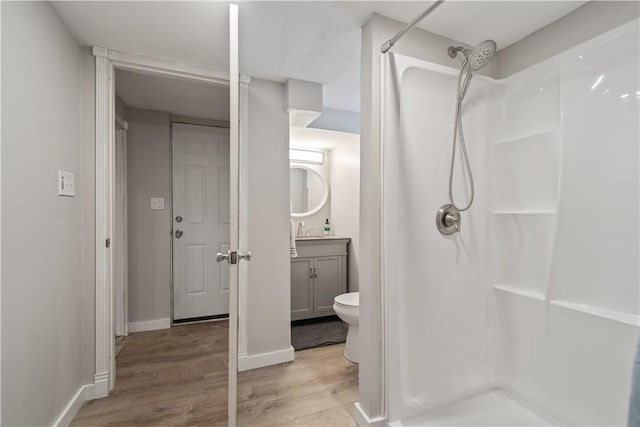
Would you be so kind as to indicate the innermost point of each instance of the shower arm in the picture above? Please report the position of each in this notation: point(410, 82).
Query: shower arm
point(389, 43)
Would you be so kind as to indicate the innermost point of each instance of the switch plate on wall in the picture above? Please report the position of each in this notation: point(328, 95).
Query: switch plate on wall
point(157, 203)
point(66, 184)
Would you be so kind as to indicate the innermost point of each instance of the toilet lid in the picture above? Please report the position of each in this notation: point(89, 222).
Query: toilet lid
point(352, 299)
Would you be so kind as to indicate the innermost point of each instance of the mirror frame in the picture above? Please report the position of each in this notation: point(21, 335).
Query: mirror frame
point(325, 197)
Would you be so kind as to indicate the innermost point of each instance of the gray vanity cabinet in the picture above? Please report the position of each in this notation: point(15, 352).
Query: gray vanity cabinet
point(318, 275)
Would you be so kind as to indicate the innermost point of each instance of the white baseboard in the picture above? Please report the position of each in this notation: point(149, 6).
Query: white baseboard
point(73, 406)
point(363, 420)
point(100, 386)
point(246, 362)
point(149, 325)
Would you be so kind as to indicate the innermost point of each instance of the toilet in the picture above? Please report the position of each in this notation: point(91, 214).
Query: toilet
point(347, 307)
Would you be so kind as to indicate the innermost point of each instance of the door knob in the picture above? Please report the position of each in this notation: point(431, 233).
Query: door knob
point(179, 234)
point(245, 255)
point(230, 256)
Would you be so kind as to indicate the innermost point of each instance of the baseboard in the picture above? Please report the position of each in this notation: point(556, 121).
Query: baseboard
point(100, 386)
point(246, 362)
point(73, 406)
point(149, 325)
point(363, 420)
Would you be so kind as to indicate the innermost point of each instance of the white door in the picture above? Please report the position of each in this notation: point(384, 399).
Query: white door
point(200, 157)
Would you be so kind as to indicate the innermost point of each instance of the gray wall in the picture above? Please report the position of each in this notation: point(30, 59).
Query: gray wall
point(268, 289)
point(582, 24)
point(149, 241)
point(41, 237)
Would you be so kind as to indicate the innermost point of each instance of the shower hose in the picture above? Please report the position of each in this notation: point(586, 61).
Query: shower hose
point(458, 131)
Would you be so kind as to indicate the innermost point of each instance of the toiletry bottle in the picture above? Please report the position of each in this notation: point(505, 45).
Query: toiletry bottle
point(327, 227)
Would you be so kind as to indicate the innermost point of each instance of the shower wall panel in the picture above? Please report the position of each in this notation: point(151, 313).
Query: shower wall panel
point(438, 314)
point(566, 278)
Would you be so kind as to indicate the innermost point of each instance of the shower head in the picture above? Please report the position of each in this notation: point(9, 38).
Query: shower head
point(477, 57)
point(481, 55)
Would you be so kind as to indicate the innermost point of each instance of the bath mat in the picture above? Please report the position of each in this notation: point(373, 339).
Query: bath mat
point(319, 332)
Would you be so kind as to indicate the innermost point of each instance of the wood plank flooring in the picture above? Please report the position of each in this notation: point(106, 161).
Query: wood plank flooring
point(178, 377)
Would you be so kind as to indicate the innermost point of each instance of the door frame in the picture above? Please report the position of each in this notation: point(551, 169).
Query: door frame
point(106, 62)
point(125, 302)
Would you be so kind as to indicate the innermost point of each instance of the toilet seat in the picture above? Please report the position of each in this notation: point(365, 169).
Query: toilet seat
point(349, 300)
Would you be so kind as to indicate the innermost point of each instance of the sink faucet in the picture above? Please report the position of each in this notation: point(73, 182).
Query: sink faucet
point(300, 229)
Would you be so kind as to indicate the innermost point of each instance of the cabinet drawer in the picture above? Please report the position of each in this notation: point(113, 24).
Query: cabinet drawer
point(315, 248)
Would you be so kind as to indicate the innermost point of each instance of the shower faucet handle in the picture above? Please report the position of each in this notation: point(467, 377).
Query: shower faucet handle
point(452, 220)
point(448, 220)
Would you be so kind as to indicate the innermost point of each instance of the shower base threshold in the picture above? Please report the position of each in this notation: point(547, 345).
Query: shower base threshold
point(492, 408)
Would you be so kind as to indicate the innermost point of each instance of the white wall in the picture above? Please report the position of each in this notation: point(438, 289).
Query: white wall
point(345, 201)
point(268, 291)
point(42, 234)
point(149, 241)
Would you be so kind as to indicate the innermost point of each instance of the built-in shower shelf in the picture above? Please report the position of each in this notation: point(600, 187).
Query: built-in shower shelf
point(524, 212)
point(618, 316)
point(540, 135)
point(521, 292)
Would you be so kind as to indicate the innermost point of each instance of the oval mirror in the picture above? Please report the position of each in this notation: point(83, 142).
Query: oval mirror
point(309, 191)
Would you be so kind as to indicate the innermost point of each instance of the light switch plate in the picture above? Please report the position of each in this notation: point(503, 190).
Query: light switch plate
point(66, 184)
point(157, 203)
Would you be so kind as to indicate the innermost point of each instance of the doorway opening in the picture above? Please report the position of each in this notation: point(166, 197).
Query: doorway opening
point(154, 353)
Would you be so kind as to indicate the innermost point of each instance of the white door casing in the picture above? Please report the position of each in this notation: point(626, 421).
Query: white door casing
point(120, 285)
point(200, 170)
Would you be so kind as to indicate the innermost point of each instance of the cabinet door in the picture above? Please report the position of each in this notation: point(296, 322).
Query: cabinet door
point(301, 288)
point(328, 283)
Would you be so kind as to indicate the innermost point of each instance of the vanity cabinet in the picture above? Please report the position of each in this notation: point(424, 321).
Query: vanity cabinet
point(318, 275)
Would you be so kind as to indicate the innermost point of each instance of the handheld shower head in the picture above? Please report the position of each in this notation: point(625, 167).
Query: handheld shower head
point(477, 57)
point(481, 55)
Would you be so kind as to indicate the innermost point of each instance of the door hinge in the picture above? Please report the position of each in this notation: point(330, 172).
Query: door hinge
point(107, 243)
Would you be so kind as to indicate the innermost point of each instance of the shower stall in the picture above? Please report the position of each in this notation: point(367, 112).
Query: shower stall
point(529, 314)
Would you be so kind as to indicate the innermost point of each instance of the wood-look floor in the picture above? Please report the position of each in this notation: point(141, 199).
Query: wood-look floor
point(178, 377)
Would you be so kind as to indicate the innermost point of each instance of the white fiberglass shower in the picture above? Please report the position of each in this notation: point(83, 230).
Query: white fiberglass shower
point(528, 315)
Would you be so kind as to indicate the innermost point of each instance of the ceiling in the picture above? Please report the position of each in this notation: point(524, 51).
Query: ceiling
point(317, 41)
point(176, 96)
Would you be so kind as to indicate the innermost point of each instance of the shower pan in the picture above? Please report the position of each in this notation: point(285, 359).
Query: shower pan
point(526, 316)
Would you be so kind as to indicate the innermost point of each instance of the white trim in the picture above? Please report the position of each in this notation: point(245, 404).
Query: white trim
point(166, 68)
point(83, 394)
point(234, 207)
point(363, 420)
point(104, 137)
point(149, 325)
point(246, 362)
point(0, 215)
point(100, 385)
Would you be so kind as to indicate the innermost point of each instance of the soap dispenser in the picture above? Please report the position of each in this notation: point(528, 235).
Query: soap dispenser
point(327, 227)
